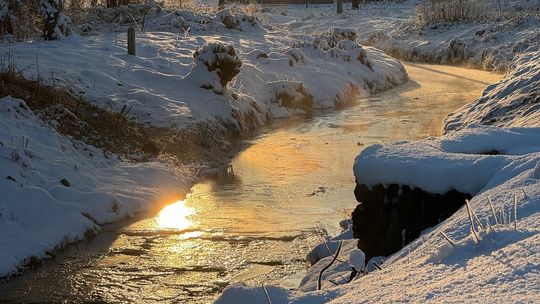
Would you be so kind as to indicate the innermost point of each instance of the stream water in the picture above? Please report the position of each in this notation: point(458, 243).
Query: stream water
point(256, 221)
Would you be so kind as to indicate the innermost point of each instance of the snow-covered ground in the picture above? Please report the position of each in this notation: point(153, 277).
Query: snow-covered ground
point(514, 101)
point(280, 75)
point(501, 267)
point(490, 44)
point(55, 190)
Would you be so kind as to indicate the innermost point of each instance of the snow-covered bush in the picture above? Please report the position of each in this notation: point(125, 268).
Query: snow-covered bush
point(238, 21)
point(55, 23)
point(18, 18)
point(430, 11)
point(6, 26)
point(216, 65)
point(350, 51)
point(292, 95)
point(330, 38)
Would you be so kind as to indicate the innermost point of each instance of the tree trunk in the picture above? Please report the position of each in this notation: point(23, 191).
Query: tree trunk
point(221, 4)
point(355, 4)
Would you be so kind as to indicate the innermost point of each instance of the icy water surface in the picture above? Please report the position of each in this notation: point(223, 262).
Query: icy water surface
point(259, 219)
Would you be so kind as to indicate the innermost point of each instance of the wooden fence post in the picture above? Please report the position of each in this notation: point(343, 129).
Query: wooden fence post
point(131, 41)
point(339, 6)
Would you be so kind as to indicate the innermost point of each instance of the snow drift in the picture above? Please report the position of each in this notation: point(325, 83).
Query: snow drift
point(56, 190)
point(514, 101)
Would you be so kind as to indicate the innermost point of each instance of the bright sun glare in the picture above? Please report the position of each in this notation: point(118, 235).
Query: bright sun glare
point(175, 216)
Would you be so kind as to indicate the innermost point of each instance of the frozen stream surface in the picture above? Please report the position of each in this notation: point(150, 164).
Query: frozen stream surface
point(257, 221)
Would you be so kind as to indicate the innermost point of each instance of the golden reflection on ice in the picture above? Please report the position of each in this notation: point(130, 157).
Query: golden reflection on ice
point(175, 216)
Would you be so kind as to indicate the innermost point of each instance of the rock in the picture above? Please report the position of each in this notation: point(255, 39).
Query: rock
point(65, 182)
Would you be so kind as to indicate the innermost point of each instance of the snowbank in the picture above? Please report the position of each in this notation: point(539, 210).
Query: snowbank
point(57, 191)
point(514, 101)
point(502, 266)
point(165, 87)
point(490, 45)
point(459, 161)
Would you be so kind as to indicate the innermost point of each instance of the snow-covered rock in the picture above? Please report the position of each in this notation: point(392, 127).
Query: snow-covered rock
point(459, 161)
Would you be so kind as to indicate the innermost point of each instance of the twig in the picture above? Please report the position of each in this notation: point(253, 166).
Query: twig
point(477, 220)
point(333, 282)
point(319, 283)
point(266, 294)
point(493, 211)
point(473, 231)
point(376, 265)
point(488, 224)
point(448, 239)
point(515, 211)
point(332, 254)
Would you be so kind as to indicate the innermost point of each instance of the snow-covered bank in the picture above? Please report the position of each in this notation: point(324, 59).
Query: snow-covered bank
point(502, 266)
point(514, 101)
point(56, 190)
point(280, 75)
point(490, 44)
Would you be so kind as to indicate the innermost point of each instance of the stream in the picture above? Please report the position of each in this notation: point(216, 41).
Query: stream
point(284, 192)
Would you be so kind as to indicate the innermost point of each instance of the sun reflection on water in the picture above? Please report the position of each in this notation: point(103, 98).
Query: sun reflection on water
point(175, 216)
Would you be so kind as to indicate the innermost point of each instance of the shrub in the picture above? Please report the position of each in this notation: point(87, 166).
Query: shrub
point(55, 23)
point(430, 11)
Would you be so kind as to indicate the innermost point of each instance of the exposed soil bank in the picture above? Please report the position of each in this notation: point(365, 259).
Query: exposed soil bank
point(388, 218)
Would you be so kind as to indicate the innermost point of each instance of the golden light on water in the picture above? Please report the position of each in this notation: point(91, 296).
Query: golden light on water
point(175, 216)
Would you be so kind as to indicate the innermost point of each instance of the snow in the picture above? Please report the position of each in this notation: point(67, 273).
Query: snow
point(163, 82)
point(514, 101)
point(456, 162)
point(40, 213)
point(490, 44)
point(293, 61)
